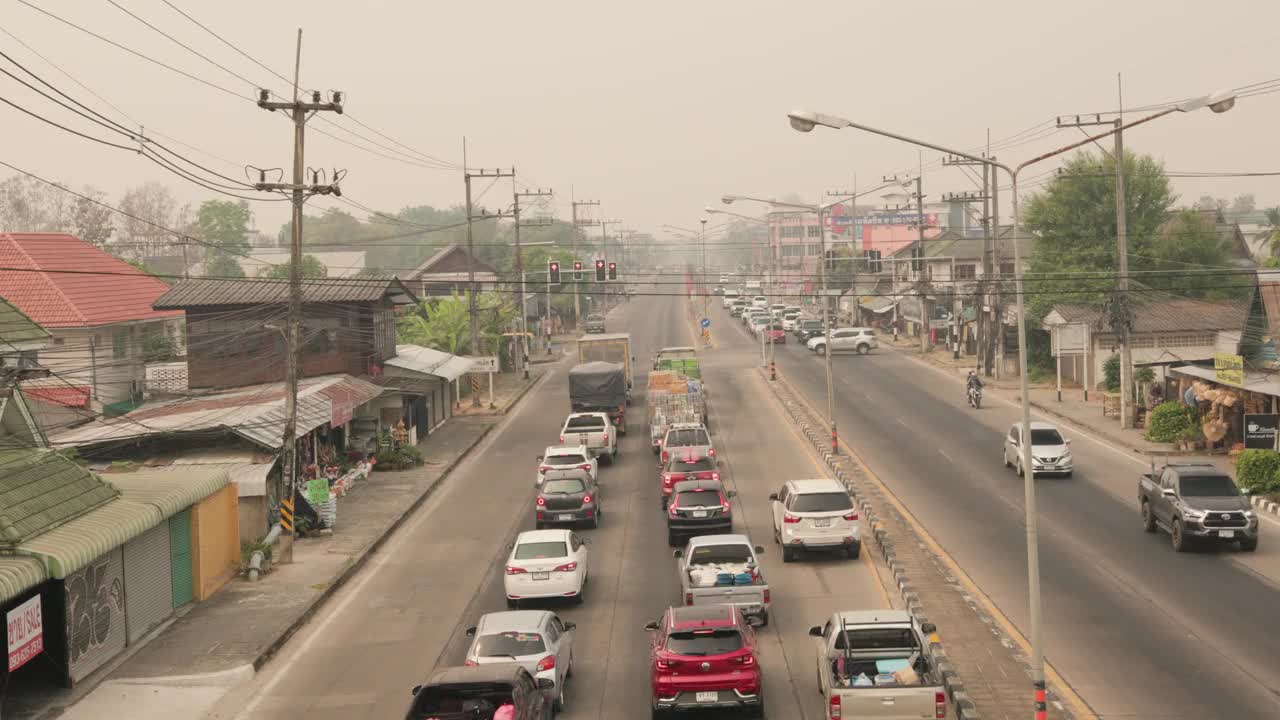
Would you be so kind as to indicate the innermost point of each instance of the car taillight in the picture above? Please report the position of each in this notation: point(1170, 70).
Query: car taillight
point(672, 508)
point(747, 660)
point(544, 468)
point(766, 596)
point(561, 438)
point(789, 518)
point(688, 598)
point(940, 705)
point(662, 664)
point(833, 707)
point(711, 452)
point(513, 570)
point(665, 456)
point(851, 516)
point(667, 480)
point(586, 467)
point(547, 663)
point(567, 567)
point(541, 501)
point(715, 476)
point(585, 499)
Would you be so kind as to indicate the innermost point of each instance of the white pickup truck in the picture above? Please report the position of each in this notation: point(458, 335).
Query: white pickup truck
point(594, 431)
point(877, 664)
point(724, 570)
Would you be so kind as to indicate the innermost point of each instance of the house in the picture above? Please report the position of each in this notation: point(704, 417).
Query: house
point(337, 264)
point(963, 250)
point(102, 324)
point(235, 327)
point(1170, 332)
point(446, 273)
point(21, 341)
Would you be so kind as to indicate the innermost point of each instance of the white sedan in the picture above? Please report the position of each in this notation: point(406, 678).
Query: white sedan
point(557, 459)
point(546, 564)
point(537, 639)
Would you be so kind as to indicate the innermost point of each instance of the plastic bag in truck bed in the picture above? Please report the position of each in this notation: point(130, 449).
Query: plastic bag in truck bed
point(720, 575)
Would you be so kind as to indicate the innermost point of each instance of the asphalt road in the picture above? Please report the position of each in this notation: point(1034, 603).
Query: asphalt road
point(405, 613)
point(1138, 631)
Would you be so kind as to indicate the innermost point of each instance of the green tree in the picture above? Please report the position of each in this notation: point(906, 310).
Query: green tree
point(1189, 241)
point(440, 323)
point(224, 224)
point(222, 265)
point(311, 268)
point(1273, 229)
point(1074, 221)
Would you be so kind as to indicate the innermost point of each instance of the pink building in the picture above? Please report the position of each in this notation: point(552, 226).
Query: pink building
point(796, 238)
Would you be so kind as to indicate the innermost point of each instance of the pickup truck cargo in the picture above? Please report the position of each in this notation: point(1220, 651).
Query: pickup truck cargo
point(465, 693)
point(679, 359)
point(724, 570)
point(673, 398)
point(877, 664)
point(600, 387)
point(1196, 502)
point(594, 431)
point(610, 348)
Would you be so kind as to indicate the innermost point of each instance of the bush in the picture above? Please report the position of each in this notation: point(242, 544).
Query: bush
point(1258, 470)
point(1111, 373)
point(1169, 420)
point(401, 458)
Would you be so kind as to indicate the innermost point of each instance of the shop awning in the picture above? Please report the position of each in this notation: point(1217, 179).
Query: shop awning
point(74, 545)
point(168, 491)
point(430, 362)
point(878, 304)
point(19, 574)
point(1259, 382)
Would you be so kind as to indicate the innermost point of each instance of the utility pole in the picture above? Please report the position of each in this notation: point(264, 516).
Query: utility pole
point(575, 204)
point(919, 264)
point(524, 308)
point(967, 198)
point(299, 191)
point(473, 308)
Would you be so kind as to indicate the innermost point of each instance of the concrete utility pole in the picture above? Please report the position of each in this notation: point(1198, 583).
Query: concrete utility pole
point(702, 243)
point(574, 205)
point(299, 191)
point(524, 307)
point(967, 198)
point(604, 255)
point(473, 308)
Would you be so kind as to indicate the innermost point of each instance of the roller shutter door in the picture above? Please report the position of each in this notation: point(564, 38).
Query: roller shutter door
point(95, 614)
point(180, 558)
point(148, 581)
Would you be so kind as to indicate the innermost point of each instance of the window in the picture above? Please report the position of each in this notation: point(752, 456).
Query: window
point(539, 550)
point(1006, 269)
point(710, 641)
point(813, 231)
point(792, 231)
point(509, 643)
point(120, 345)
point(792, 251)
point(567, 486)
point(821, 502)
point(966, 272)
point(812, 249)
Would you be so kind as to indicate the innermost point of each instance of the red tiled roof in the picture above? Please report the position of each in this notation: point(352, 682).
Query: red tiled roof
point(66, 396)
point(59, 300)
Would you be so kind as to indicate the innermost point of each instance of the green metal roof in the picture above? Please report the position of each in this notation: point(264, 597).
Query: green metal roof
point(74, 545)
point(17, 327)
point(41, 490)
point(173, 489)
point(19, 574)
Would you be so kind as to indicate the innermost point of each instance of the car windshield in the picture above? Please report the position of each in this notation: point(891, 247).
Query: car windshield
point(509, 643)
point(694, 465)
point(697, 643)
point(567, 486)
point(821, 502)
point(581, 423)
point(790, 315)
point(1046, 437)
point(775, 326)
point(538, 550)
point(686, 438)
point(760, 319)
point(566, 460)
point(698, 498)
point(599, 318)
point(812, 324)
point(1207, 486)
point(736, 553)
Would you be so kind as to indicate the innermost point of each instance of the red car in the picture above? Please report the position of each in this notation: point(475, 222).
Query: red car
point(775, 334)
point(704, 657)
point(688, 467)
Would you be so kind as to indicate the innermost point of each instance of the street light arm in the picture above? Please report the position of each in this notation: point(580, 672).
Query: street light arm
point(800, 117)
point(1093, 138)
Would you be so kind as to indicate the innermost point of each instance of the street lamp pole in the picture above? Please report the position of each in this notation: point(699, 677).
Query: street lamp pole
point(806, 121)
point(702, 237)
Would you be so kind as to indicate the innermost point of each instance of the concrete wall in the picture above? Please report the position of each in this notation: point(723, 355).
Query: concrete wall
point(215, 541)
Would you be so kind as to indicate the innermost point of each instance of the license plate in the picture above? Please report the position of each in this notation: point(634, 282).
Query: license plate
point(699, 513)
point(822, 522)
point(582, 439)
point(565, 516)
point(1226, 533)
point(542, 576)
point(708, 697)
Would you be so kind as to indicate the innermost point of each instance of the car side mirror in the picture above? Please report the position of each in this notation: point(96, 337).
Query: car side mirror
point(471, 631)
point(415, 690)
point(546, 684)
point(759, 549)
point(732, 494)
point(570, 626)
point(585, 540)
point(773, 497)
point(1246, 492)
point(928, 628)
point(539, 458)
point(677, 553)
point(651, 626)
point(815, 631)
point(1067, 440)
point(755, 621)
point(1168, 492)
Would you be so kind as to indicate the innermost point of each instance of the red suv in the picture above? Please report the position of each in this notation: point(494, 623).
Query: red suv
point(686, 467)
point(775, 334)
point(704, 656)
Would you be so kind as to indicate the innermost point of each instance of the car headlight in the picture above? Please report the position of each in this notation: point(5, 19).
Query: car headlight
point(1196, 514)
point(1249, 514)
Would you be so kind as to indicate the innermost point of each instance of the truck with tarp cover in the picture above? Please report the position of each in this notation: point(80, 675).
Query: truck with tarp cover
point(600, 387)
point(608, 347)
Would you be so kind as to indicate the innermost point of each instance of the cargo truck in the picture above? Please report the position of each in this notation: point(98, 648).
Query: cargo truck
point(673, 397)
point(600, 387)
point(611, 348)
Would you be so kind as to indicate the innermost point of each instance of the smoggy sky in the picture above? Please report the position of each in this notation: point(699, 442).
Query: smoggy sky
point(656, 108)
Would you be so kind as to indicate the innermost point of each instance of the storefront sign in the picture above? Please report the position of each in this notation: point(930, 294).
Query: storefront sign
point(1228, 368)
point(484, 364)
point(317, 492)
point(1260, 431)
point(342, 405)
point(26, 633)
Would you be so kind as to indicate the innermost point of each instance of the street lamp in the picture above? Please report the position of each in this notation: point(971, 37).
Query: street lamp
point(702, 241)
point(805, 121)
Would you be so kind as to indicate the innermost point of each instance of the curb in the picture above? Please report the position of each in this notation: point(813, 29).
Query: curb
point(333, 587)
point(965, 709)
point(1265, 505)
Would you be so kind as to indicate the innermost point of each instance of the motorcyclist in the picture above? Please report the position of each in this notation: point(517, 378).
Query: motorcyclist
point(973, 381)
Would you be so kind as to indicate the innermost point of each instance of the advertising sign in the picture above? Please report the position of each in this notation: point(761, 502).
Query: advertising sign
point(484, 364)
point(1260, 431)
point(26, 633)
point(1228, 368)
point(317, 491)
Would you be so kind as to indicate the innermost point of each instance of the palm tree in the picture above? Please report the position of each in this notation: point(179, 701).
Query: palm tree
point(1273, 229)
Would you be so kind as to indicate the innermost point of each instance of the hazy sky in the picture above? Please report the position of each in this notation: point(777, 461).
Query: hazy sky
point(655, 108)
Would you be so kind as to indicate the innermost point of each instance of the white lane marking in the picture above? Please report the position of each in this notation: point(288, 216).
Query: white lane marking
point(944, 454)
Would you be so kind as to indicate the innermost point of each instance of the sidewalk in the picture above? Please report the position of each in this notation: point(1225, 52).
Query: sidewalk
point(217, 644)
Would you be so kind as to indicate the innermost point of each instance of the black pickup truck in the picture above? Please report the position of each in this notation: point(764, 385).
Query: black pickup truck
point(1197, 502)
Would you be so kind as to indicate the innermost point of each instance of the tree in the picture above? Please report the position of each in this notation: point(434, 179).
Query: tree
point(222, 265)
point(93, 222)
point(1074, 223)
point(311, 268)
point(1209, 202)
point(29, 205)
point(1273, 229)
point(224, 224)
point(1245, 203)
point(440, 323)
point(150, 204)
point(1189, 241)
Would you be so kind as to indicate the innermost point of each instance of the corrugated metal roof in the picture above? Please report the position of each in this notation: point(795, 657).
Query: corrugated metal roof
point(1179, 315)
point(19, 574)
point(169, 491)
point(430, 362)
point(40, 490)
point(204, 292)
point(70, 547)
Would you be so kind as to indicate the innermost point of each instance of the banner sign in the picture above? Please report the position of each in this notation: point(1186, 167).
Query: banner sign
point(1260, 431)
point(1228, 368)
point(26, 633)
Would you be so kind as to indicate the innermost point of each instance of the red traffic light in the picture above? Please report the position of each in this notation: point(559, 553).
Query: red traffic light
point(599, 263)
point(555, 266)
point(613, 266)
point(577, 265)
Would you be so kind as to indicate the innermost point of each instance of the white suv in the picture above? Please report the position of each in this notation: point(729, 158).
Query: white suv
point(815, 515)
point(858, 339)
point(1050, 452)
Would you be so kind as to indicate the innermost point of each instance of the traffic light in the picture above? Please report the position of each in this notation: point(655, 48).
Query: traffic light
point(613, 271)
point(599, 271)
point(577, 270)
point(553, 272)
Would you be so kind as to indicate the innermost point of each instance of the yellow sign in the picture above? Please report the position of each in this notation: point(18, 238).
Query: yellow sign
point(1228, 368)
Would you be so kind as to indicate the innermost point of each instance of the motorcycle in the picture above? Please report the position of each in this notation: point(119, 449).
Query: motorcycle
point(975, 397)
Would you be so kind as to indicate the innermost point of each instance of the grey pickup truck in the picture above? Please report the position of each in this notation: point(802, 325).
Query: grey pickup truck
point(1197, 502)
